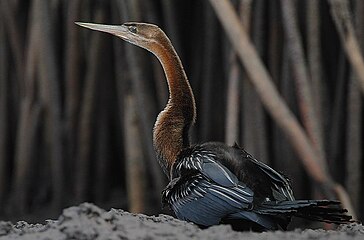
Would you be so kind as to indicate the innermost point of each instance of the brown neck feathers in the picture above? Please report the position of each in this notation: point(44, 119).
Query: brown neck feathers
point(171, 130)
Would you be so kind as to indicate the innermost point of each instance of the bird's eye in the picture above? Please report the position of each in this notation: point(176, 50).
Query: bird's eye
point(132, 29)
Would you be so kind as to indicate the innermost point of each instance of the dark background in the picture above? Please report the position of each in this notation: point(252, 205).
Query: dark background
point(77, 107)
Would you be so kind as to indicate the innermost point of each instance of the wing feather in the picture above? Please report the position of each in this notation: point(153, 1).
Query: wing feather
point(204, 202)
point(280, 182)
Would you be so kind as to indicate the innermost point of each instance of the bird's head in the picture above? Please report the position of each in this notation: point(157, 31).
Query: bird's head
point(144, 35)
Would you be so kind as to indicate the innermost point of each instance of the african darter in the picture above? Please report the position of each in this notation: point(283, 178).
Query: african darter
point(213, 183)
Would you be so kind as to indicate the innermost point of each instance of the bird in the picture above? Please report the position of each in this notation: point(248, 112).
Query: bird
point(213, 183)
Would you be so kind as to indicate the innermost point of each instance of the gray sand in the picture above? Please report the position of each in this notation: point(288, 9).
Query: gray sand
point(87, 221)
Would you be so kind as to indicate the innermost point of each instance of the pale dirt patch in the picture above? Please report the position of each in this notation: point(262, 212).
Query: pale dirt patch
point(87, 221)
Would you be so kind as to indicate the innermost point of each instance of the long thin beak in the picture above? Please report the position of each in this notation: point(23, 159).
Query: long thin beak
point(118, 30)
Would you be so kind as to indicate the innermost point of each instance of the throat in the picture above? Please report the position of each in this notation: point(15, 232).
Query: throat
point(170, 136)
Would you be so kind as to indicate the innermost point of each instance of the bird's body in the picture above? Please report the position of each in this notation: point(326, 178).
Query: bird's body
point(214, 183)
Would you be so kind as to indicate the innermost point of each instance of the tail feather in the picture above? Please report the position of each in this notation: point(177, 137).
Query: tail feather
point(319, 210)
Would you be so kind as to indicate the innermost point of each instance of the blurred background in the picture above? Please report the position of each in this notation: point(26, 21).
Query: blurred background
point(77, 107)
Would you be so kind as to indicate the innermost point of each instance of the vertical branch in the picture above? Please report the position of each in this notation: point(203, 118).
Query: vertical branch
point(246, 119)
point(232, 103)
point(284, 154)
point(315, 61)
point(303, 84)
point(354, 142)
point(101, 166)
point(50, 92)
point(4, 132)
point(86, 117)
point(134, 166)
point(337, 119)
point(275, 45)
point(14, 39)
point(122, 83)
point(29, 118)
point(196, 42)
point(72, 84)
point(254, 127)
point(24, 158)
point(342, 18)
point(103, 126)
point(209, 56)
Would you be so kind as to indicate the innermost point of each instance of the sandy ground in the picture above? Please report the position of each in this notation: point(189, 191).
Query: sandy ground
point(87, 221)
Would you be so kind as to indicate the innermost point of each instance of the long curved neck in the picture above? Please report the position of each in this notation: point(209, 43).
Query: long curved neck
point(171, 130)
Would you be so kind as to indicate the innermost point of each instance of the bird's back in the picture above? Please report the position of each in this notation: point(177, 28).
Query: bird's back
point(264, 181)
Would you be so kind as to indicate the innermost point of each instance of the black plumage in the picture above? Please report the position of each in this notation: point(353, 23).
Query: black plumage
point(213, 183)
